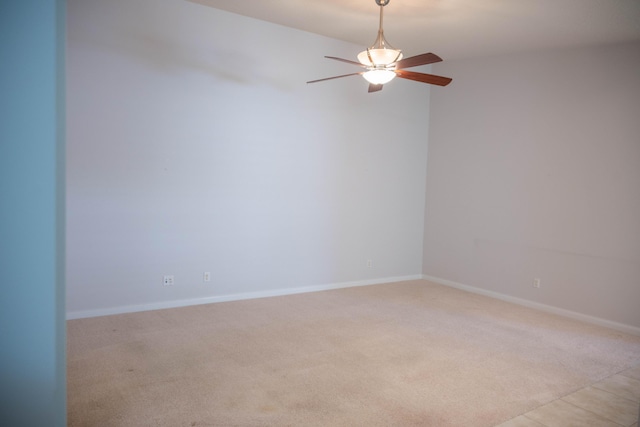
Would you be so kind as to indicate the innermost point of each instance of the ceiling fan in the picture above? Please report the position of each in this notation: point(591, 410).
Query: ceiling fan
point(382, 63)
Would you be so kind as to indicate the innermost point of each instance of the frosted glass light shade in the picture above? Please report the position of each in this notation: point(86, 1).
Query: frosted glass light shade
point(379, 77)
point(379, 56)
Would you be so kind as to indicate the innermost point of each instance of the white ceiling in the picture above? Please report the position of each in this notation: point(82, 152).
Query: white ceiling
point(454, 29)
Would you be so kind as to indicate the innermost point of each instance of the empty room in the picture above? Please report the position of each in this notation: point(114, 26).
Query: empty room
point(264, 225)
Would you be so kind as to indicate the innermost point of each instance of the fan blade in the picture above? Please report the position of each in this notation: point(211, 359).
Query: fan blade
point(336, 77)
point(374, 88)
point(414, 61)
point(348, 61)
point(424, 78)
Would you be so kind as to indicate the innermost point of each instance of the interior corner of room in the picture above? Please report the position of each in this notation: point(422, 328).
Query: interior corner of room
point(165, 154)
point(192, 148)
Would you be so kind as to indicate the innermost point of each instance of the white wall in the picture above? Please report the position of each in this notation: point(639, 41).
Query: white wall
point(534, 171)
point(194, 144)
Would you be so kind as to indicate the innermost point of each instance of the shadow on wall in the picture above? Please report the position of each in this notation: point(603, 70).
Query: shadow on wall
point(174, 39)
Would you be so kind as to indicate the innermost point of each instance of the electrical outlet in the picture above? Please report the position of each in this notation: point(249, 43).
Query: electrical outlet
point(369, 263)
point(206, 277)
point(168, 280)
point(536, 282)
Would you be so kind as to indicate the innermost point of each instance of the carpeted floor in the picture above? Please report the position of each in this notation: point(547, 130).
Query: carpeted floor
point(400, 354)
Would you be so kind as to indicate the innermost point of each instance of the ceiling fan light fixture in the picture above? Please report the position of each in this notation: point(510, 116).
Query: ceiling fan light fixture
point(383, 63)
point(379, 77)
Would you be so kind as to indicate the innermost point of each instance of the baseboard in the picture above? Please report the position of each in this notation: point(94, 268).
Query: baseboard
point(536, 305)
point(233, 297)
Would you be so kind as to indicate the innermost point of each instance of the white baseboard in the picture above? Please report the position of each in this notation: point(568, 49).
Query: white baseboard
point(232, 297)
point(542, 307)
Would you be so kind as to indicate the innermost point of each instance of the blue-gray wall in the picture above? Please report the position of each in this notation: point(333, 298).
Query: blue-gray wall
point(32, 328)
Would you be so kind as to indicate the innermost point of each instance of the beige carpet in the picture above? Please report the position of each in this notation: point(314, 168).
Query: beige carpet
point(401, 354)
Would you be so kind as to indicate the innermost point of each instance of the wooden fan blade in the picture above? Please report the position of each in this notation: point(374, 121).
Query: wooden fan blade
point(414, 61)
point(336, 77)
point(348, 61)
point(424, 78)
point(374, 88)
